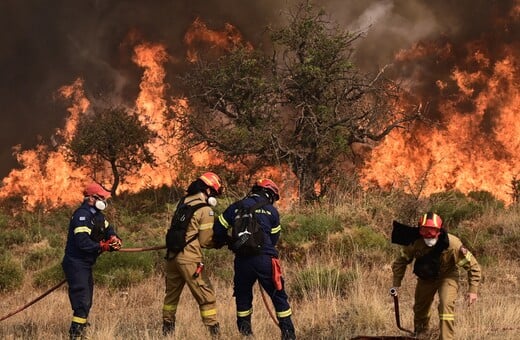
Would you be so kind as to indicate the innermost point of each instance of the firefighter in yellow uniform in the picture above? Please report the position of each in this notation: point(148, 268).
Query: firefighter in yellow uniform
point(185, 267)
point(438, 256)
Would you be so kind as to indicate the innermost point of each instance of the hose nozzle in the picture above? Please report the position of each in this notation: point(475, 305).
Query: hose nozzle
point(393, 291)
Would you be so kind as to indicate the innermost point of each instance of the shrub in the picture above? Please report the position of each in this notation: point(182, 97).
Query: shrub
point(40, 258)
point(11, 275)
point(117, 270)
point(322, 281)
point(49, 276)
point(454, 207)
point(314, 227)
point(12, 236)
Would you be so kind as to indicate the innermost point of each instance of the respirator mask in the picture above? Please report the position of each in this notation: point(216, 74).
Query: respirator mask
point(212, 201)
point(430, 242)
point(100, 203)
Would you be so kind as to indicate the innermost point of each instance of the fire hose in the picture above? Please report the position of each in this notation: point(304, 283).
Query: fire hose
point(393, 292)
point(124, 250)
point(58, 285)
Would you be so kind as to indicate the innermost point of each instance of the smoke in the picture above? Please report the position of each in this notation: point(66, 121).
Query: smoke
point(44, 46)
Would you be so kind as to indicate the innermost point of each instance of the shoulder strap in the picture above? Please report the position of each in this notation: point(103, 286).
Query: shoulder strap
point(195, 208)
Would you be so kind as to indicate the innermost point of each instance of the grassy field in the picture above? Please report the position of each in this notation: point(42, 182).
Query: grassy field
point(336, 260)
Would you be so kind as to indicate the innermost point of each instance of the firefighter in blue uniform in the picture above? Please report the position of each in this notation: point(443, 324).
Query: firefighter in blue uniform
point(249, 269)
point(89, 235)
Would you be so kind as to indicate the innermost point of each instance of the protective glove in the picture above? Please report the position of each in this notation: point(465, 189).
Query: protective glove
point(104, 245)
point(114, 243)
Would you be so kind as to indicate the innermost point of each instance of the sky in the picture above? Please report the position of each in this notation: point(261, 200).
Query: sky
point(44, 47)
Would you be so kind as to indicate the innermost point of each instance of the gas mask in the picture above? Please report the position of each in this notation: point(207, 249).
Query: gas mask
point(212, 201)
point(430, 242)
point(100, 203)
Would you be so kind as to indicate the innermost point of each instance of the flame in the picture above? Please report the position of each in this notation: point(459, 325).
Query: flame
point(225, 40)
point(46, 178)
point(474, 145)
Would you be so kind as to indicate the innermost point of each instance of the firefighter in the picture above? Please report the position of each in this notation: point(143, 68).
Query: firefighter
point(89, 235)
point(263, 267)
point(438, 256)
point(185, 267)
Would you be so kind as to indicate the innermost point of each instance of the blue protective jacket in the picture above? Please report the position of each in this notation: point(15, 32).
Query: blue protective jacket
point(87, 227)
point(267, 217)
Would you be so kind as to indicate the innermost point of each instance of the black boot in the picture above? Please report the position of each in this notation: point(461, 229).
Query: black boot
point(168, 327)
point(77, 331)
point(244, 325)
point(288, 334)
point(214, 330)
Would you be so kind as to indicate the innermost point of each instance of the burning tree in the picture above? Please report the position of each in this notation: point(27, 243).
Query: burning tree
point(111, 135)
point(304, 106)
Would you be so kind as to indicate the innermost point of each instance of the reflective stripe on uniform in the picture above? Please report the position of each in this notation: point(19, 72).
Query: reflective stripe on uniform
point(82, 229)
point(169, 308)
point(466, 259)
point(243, 313)
point(209, 312)
point(206, 226)
point(276, 230)
point(106, 224)
point(223, 221)
point(284, 314)
point(77, 319)
point(447, 317)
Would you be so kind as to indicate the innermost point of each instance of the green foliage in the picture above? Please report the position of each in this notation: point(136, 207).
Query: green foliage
point(117, 270)
point(11, 274)
point(9, 237)
point(453, 207)
point(322, 281)
point(49, 276)
point(115, 136)
point(302, 105)
point(41, 258)
point(316, 227)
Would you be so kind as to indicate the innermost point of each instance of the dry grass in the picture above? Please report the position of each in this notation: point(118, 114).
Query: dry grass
point(367, 309)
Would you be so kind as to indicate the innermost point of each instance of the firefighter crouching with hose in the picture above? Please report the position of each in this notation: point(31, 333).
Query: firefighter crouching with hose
point(184, 262)
point(89, 235)
point(438, 256)
point(262, 264)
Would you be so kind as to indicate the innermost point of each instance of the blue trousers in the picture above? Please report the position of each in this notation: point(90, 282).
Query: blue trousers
point(81, 286)
point(247, 271)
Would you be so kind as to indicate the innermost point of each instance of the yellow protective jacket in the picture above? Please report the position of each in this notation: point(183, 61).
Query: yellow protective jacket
point(454, 257)
point(202, 224)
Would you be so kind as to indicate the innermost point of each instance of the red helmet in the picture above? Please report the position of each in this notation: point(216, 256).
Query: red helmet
point(213, 181)
point(268, 184)
point(431, 220)
point(96, 189)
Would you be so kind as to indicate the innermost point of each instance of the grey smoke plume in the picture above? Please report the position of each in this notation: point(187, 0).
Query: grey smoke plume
point(45, 45)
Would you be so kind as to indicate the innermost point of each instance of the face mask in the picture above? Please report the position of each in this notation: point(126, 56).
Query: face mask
point(430, 242)
point(101, 205)
point(212, 201)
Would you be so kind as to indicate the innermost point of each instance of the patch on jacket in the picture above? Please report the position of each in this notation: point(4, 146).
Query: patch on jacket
point(82, 218)
point(211, 213)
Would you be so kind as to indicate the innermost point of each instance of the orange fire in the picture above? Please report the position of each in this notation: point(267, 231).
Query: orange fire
point(224, 40)
point(474, 142)
point(47, 179)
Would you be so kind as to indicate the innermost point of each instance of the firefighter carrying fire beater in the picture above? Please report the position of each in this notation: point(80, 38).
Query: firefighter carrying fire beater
point(265, 266)
point(185, 267)
point(438, 256)
point(89, 235)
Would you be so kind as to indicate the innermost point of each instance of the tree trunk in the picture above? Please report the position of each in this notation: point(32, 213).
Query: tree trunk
point(115, 173)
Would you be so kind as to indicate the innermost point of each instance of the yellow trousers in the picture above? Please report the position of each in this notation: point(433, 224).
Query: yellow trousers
point(425, 291)
point(178, 275)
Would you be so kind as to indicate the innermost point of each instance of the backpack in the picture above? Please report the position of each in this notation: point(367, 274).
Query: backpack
point(176, 234)
point(247, 236)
